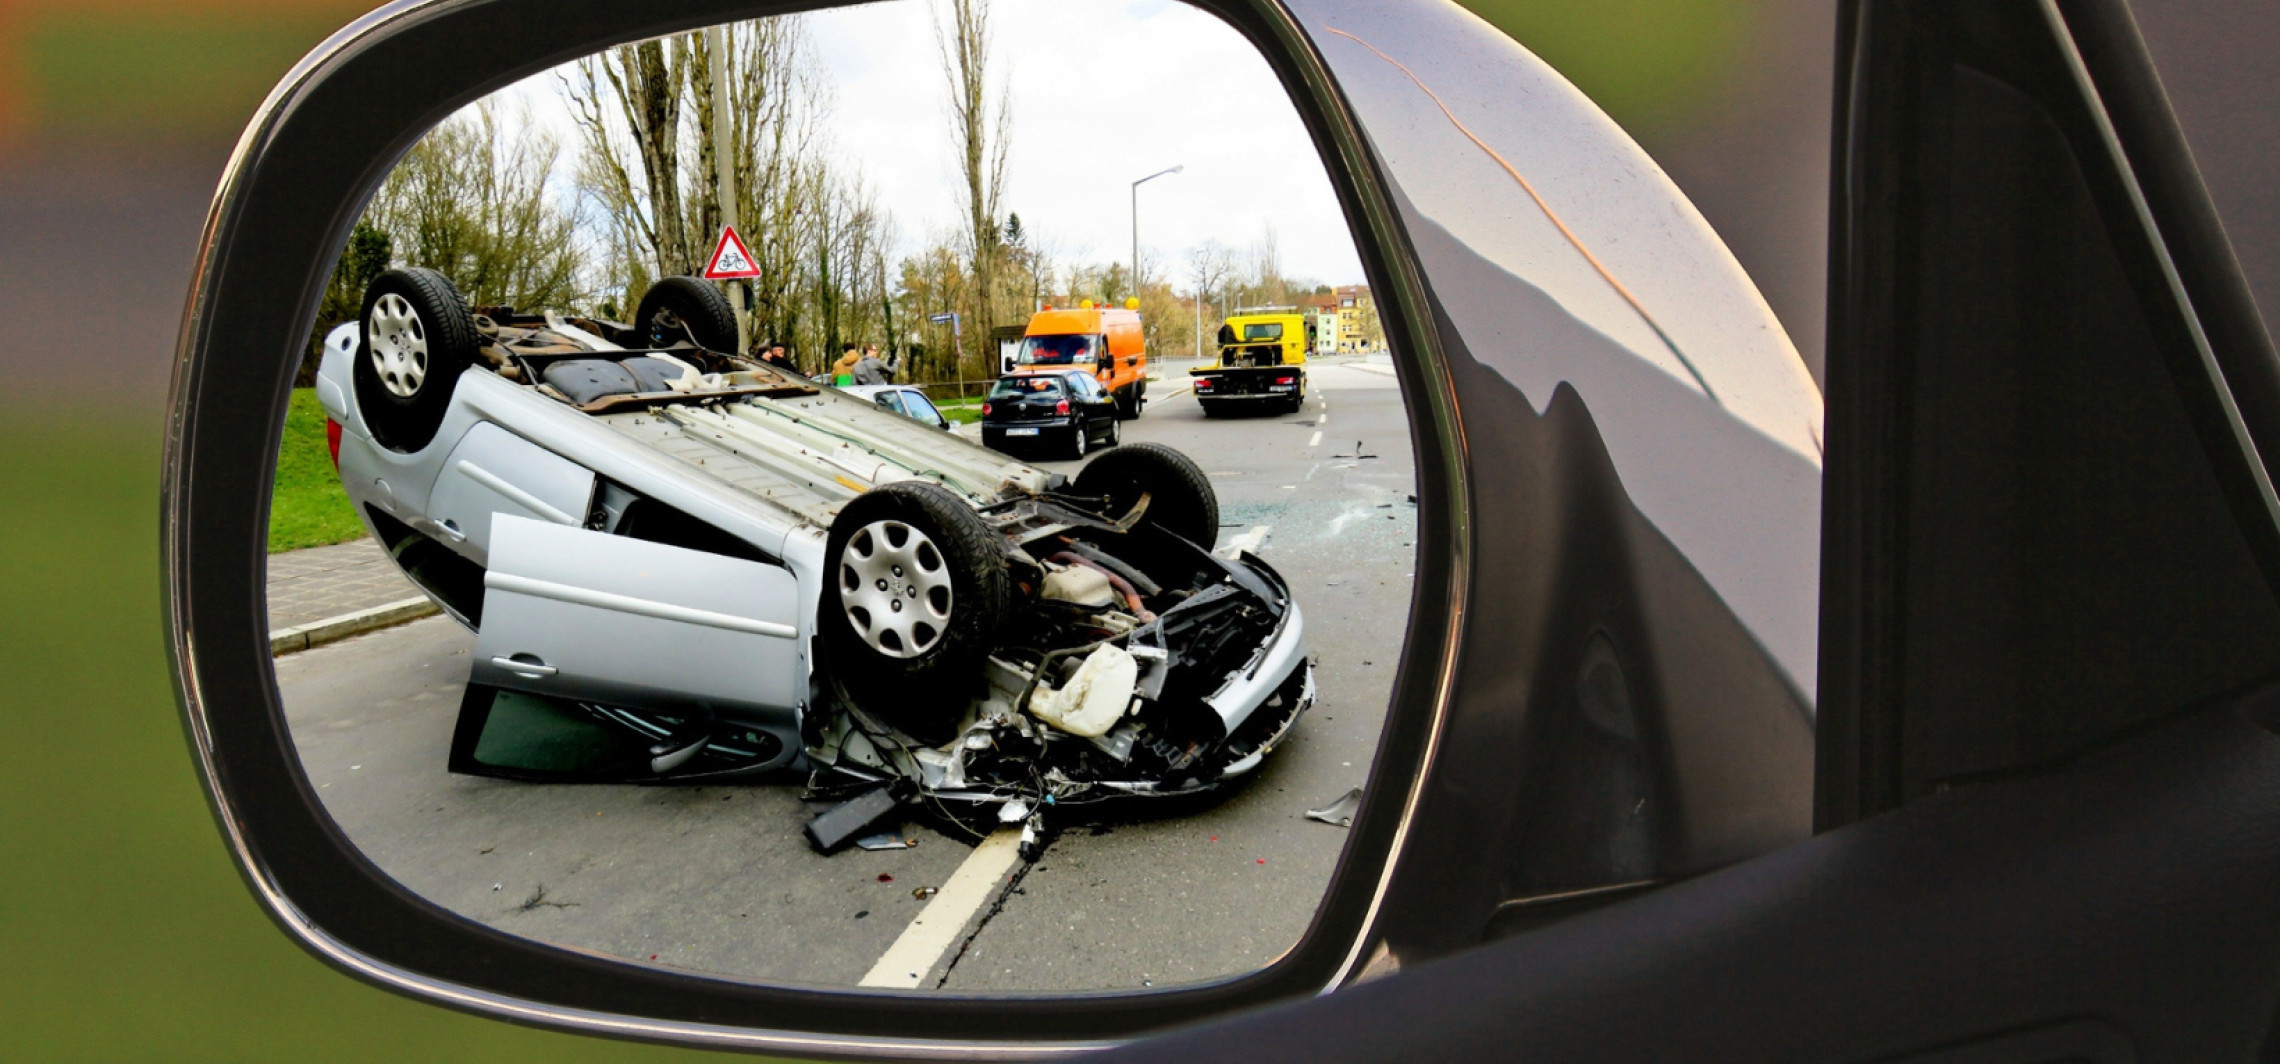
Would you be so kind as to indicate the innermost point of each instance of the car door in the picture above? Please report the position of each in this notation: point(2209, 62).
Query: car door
point(570, 613)
point(493, 471)
point(1095, 405)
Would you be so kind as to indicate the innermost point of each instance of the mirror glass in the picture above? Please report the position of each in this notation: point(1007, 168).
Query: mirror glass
point(913, 495)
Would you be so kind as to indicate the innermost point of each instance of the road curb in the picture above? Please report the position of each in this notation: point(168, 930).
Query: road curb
point(333, 629)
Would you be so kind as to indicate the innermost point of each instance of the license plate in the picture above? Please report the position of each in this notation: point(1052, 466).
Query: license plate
point(1021, 432)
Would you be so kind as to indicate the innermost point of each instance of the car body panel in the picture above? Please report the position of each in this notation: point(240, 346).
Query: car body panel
point(572, 613)
point(494, 472)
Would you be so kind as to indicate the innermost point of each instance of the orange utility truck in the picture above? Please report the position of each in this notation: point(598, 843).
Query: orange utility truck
point(1105, 339)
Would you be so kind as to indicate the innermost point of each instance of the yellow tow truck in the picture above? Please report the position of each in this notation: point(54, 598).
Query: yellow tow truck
point(1261, 364)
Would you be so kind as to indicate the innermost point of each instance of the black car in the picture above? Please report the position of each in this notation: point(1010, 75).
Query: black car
point(1067, 411)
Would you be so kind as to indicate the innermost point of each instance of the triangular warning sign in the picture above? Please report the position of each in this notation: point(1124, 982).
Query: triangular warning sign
point(731, 259)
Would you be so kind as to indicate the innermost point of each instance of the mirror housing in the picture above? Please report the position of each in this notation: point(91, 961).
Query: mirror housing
point(1548, 599)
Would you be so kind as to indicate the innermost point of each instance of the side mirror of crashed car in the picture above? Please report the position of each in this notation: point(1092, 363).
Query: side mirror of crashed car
point(1604, 681)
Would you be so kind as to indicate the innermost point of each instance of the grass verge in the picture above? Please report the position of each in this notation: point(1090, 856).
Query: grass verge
point(309, 508)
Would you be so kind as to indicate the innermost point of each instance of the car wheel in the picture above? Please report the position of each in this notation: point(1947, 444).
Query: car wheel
point(1080, 440)
point(678, 308)
point(418, 337)
point(1180, 498)
point(917, 591)
point(1115, 432)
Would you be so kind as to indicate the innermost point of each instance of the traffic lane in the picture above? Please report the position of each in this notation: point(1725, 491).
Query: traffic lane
point(1148, 899)
point(715, 879)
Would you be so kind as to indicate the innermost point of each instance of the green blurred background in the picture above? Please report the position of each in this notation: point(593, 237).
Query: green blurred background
point(131, 936)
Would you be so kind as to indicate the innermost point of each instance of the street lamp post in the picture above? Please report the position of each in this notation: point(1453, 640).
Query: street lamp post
point(1136, 222)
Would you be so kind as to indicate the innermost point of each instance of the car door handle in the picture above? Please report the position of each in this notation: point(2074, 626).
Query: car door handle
point(450, 528)
point(530, 669)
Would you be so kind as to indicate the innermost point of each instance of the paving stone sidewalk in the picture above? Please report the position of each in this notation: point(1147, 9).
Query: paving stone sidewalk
point(306, 586)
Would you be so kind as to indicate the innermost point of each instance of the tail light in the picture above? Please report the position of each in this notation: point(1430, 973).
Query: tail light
point(332, 441)
point(1286, 380)
point(985, 409)
point(1203, 384)
point(1062, 407)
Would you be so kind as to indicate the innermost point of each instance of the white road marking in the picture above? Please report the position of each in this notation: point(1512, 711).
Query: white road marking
point(1317, 440)
point(935, 929)
point(1251, 542)
point(1324, 419)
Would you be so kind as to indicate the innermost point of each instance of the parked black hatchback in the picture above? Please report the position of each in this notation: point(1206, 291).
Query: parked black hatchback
point(1067, 412)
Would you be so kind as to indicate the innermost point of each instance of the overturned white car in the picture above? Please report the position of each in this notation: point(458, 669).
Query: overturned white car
point(682, 565)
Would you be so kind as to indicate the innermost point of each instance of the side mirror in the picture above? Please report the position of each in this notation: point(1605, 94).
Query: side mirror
point(1395, 656)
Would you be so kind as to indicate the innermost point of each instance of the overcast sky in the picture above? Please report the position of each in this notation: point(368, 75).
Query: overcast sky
point(1103, 92)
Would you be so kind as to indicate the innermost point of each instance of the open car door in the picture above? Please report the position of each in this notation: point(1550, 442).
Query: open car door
point(594, 643)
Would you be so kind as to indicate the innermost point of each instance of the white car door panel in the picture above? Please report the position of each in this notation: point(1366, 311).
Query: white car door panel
point(493, 471)
point(575, 613)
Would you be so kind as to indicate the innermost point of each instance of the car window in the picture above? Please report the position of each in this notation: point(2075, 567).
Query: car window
point(1055, 350)
point(1017, 387)
point(890, 400)
point(916, 403)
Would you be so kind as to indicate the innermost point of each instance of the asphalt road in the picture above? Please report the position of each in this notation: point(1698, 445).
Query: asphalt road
point(719, 880)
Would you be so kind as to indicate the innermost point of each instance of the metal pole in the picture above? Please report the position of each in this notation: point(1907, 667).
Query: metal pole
point(724, 170)
point(1136, 222)
point(1199, 321)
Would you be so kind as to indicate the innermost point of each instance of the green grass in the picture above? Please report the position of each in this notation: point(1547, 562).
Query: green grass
point(1650, 64)
point(961, 413)
point(164, 74)
point(309, 508)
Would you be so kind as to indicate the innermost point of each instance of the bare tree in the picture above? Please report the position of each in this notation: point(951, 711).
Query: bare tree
point(817, 235)
point(980, 130)
point(474, 200)
point(636, 92)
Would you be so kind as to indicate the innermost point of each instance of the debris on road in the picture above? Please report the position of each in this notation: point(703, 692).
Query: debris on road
point(1339, 813)
point(923, 893)
point(885, 840)
point(834, 828)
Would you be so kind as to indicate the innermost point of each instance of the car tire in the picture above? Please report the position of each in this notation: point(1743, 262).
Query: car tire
point(1180, 498)
point(685, 307)
point(1115, 433)
point(417, 338)
point(1080, 442)
point(917, 667)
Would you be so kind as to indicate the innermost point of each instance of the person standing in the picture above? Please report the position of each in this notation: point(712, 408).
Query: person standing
point(871, 369)
point(843, 371)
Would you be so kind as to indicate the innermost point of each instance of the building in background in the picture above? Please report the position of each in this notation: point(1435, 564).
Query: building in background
point(1358, 331)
